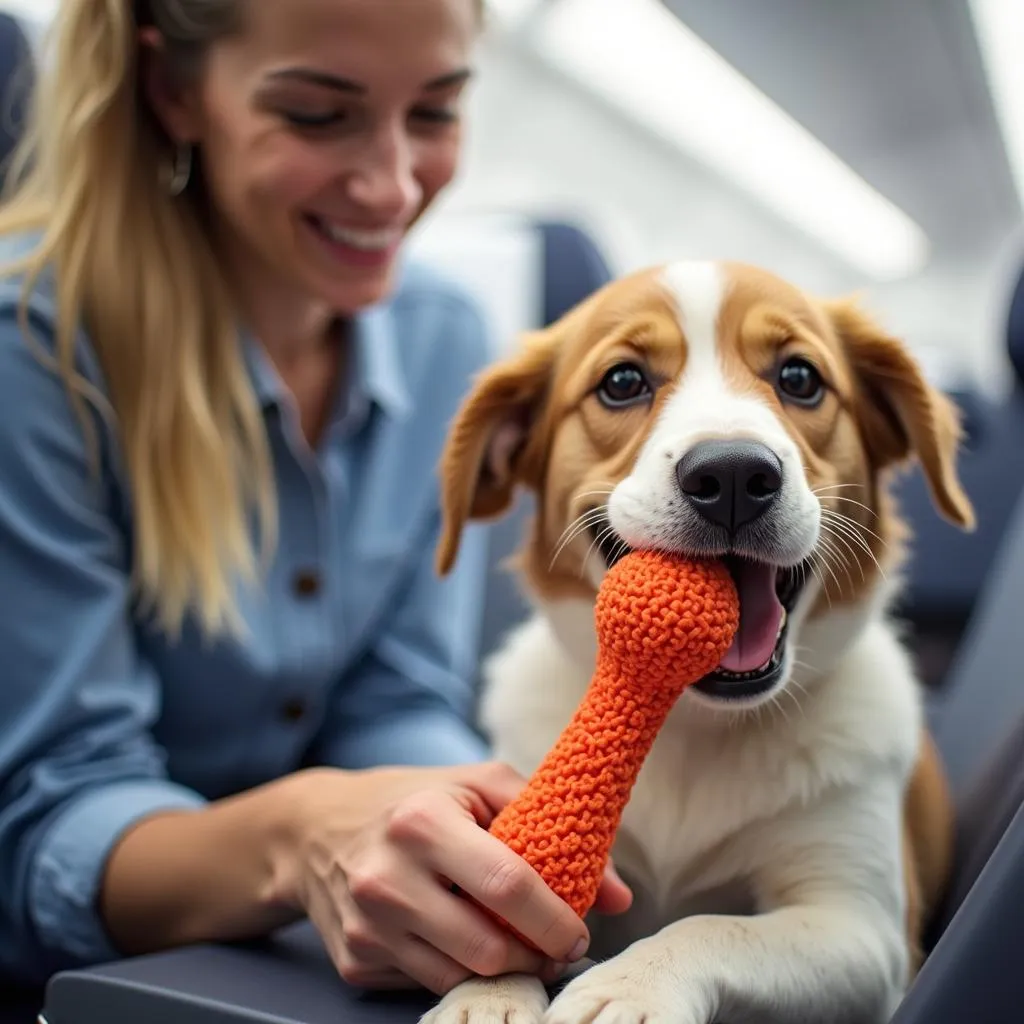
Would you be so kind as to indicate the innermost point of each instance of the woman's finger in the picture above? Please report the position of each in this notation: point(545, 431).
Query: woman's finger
point(376, 938)
point(613, 895)
point(455, 927)
point(325, 917)
point(362, 957)
point(428, 966)
point(484, 868)
point(496, 783)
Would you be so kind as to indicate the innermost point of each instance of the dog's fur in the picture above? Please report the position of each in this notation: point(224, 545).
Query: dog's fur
point(784, 850)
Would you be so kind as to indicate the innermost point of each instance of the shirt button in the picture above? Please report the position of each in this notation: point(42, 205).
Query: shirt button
point(306, 583)
point(293, 709)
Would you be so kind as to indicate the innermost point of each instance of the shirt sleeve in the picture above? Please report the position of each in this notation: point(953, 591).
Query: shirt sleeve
point(78, 765)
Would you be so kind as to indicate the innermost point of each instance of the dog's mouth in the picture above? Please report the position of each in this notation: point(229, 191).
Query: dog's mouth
point(754, 664)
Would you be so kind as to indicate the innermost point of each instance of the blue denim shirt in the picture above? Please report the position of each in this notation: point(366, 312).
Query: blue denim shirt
point(357, 654)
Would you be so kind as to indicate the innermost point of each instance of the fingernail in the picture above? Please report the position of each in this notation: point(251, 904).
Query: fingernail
point(578, 951)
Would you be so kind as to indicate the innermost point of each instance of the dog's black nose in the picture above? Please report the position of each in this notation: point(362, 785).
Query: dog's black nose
point(730, 483)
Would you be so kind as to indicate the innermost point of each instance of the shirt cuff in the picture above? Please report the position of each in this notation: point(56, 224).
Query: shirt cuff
point(434, 739)
point(69, 866)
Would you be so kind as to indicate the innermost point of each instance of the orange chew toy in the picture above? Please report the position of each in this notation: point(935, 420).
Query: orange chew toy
point(663, 623)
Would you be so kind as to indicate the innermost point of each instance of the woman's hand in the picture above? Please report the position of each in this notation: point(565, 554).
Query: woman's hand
point(373, 858)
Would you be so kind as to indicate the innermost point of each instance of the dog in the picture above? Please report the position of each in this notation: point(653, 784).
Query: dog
point(791, 830)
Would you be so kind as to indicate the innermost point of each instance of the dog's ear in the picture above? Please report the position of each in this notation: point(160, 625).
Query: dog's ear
point(489, 451)
point(900, 414)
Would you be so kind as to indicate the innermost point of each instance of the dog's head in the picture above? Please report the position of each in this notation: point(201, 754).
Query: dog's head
point(711, 409)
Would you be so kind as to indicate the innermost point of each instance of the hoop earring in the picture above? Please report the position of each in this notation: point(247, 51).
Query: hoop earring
point(179, 174)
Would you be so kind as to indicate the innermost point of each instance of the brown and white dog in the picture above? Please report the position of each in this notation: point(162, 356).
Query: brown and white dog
point(791, 830)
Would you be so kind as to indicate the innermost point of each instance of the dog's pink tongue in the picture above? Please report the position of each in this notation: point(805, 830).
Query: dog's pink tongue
point(760, 618)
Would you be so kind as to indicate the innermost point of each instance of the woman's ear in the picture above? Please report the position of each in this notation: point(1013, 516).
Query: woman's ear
point(175, 103)
point(900, 414)
point(492, 445)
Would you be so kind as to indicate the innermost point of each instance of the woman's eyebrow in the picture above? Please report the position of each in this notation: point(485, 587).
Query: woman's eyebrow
point(449, 80)
point(347, 85)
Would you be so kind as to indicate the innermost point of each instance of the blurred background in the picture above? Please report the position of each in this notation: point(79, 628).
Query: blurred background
point(870, 146)
point(864, 147)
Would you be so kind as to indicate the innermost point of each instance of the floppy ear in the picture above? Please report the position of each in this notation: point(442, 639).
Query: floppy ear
point(488, 449)
point(900, 413)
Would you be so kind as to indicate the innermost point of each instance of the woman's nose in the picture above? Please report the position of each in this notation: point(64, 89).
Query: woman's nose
point(386, 184)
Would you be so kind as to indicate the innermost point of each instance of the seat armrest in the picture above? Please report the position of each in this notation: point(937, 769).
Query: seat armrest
point(974, 972)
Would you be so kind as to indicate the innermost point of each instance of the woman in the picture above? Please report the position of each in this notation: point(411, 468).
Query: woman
point(221, 400)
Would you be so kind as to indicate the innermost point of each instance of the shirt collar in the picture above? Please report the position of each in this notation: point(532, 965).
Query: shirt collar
point(378, 372)
point(375, 374)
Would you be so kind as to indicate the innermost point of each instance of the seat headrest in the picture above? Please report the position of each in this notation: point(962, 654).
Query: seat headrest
point(17, 78)
point(1015, 328)
point(574, 268)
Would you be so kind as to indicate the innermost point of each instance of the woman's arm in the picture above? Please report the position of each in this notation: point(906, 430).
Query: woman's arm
point(213, 874)
point(78, 766)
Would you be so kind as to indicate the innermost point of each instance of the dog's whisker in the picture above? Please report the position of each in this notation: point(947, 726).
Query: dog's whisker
point(796, 682)
point(774, 706)
point(831, 487)
point(829, 549)
point(829, 541)
point(795, 698)
point(815, 568)
point(841, 537)
point(787, 694)
point(848, 539)
point(580, 524)
point(829, 560)
point(838, 537)
point(853, 522)
point(621, 548)
point(802, 571)
point(852, 501)
point(849, 528)
point(608, 531)
point(591, 515)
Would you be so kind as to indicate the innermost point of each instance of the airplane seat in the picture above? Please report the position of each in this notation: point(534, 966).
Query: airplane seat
point(978, 723)
point(573, 267)
point(16, 80)
point(948, 568)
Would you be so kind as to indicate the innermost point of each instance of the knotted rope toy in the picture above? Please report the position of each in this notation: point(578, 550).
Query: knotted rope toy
point(663, 623)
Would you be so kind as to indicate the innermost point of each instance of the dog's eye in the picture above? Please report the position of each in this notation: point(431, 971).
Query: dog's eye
point(800, 382)
point(624, 384)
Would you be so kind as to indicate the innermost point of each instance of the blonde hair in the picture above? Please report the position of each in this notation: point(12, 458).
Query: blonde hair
point(134, 266)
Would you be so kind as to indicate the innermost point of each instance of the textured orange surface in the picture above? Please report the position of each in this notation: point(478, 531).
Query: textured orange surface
point(663, 623)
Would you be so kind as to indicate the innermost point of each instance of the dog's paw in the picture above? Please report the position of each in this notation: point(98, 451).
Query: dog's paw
point(510, 999)
point(608, 994)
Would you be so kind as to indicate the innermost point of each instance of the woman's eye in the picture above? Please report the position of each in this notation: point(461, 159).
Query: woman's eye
point(800, 382)
point(436, 115)
point(302, 120)
point(623, 385)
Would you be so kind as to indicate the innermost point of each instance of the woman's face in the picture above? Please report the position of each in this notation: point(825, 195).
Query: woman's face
point(325, 129)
